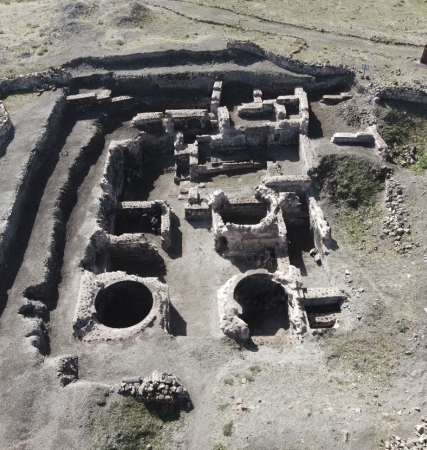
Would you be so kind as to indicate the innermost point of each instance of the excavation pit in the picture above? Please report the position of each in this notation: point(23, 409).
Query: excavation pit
point(264, 305)
point(123, 304)
point(249, 212)
point(135, 221)
point(322, 316)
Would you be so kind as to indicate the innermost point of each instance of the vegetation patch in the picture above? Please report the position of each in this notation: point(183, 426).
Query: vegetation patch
point(405, 132)
point(402, 327)
point(219, 446)
point(373, 355)
point(17, 102)
point(353, 185)
point(227, 429)
point(138, 16)
point(127, 424)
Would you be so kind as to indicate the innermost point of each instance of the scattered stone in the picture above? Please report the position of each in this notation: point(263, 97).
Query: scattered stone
point(160, 387)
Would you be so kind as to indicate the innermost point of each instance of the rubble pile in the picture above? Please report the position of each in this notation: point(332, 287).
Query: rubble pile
point(418, 442)
point(160, 387)
point(395, 223)
point(405, 156)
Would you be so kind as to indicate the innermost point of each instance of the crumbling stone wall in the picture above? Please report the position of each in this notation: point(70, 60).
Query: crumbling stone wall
point(5, 124)
point(48, 79)
point(245, 240)
point(229, 309)
point(403, 93)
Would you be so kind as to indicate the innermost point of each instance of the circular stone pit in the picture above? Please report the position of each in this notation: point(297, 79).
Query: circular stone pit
point(123, 304)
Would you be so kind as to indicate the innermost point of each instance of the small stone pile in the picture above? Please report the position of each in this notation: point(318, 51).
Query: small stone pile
point(160, 387)
point(418, 442)
point(395, 224)
point(406, 156)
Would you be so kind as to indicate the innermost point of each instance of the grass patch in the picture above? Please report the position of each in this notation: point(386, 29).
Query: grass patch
point(120, 42)
point(350, 181)
point(229, 381)
point(372, 355)
point(353, 185)
point(127, 424)
point(250, 377)
point(42, 51)
point(15, 103)
point(255, 369)
point(227, 429)
point(219, 446)
point(402, 327)
point(405, 132)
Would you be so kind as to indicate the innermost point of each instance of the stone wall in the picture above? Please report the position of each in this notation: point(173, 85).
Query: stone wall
point(38, 80)
point(197, 211)
point(229, 309)
point(288, 183)
point(247, 240)
point(5, 124)
point(359, 138)
point(152, 207)
point(307, 155)
point(287, 63)
point(319, 227)
point(403, 93)
point(99, 98)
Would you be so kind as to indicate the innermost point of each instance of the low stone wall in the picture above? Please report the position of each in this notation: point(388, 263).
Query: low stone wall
point(197, 212)
point(380, 144)
point(132, 244)
point(5, 123)
point(293, 65)
point(319, 227)
point(322, 296)
point(32, 81)
point(307, 155)
point(360, 138)
point(100, 98)
point(334, 99)
point(288, 183)
point(403, 93)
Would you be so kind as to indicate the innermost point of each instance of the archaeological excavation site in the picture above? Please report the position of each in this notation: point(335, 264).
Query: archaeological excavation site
point(212, 249)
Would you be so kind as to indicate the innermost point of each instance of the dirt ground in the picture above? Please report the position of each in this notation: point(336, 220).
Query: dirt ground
point(35, 35)
point(350, 387)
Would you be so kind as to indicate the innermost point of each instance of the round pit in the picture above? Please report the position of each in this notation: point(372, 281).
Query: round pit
point(123, 304)
point(264, 305)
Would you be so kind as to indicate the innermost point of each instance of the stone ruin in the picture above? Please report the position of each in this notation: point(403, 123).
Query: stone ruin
point(5, 124)
point(255, 229)
point(159, 387)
